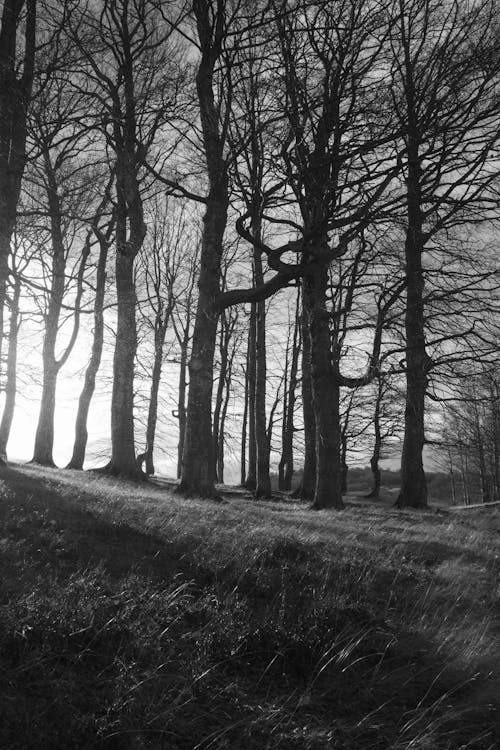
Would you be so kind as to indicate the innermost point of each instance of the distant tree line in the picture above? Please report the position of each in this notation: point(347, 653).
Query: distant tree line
point(180, 179)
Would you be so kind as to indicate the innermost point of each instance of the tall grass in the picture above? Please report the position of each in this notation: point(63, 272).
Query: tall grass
point(132, 619)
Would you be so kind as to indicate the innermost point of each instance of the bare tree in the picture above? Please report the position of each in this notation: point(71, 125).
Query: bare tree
point(444, 74)
point(103, 234)
point(315, 152)
point(161, 259)
point(128, 57)
point(470, 438)
point(59, 191)
point(198, 462)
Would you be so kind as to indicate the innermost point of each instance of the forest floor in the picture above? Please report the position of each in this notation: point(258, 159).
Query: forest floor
point(133, 618)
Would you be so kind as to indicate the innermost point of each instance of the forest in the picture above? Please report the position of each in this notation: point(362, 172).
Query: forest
point(268, 229)
point(249, 278)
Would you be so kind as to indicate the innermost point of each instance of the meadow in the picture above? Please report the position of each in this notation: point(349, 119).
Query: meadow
point(133, 618)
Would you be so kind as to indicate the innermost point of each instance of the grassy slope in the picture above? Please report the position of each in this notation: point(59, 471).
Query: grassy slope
point(131, 618)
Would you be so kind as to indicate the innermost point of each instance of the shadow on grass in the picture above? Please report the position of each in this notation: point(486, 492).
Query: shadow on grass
point(115, 638)
point(62, 533)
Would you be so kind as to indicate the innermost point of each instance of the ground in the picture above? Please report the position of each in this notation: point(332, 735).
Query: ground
point(133, 618)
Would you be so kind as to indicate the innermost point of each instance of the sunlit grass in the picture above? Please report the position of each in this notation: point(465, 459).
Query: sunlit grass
point(133, 618)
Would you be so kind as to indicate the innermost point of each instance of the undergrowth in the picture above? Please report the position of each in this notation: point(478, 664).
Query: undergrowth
point(132, 619)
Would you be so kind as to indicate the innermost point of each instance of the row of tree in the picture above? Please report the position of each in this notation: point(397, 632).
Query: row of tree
point(343, 155)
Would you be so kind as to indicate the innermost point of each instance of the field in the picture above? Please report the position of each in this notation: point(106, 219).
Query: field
point(133, 618)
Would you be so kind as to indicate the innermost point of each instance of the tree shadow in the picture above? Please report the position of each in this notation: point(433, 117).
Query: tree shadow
point(61, 533)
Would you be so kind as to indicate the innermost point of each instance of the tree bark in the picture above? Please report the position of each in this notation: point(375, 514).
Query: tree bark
point(122, 399)
point(325, 392)
point(251, 478)
point(129, 214)
point(244, 427)
point(44, 440)
point(286, 463)
point(307, 486)
point(197, 475)
point(283, 457)
point(413, 492)
point(263, 485)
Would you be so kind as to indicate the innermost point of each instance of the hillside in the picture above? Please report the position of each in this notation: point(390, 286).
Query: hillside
point(132, 618)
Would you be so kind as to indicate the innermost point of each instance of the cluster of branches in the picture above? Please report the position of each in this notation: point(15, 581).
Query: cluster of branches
point(345, 156)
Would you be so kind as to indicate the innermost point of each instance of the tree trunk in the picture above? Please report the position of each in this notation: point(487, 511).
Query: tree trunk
point(413, 492)
point(81, 432)
point(325, 391)
point(225, 406)
point(308, 483)
point(129, 211)
point(219, 396)
point(251, 478)
point(11, 374)
point(15, 95)
point(283, 458)
point(495, 401)
point(263, 486)
point(344, 464)
point(262, 445)
point(485, 494)
point(292, 397)
point(181, 400)
point(147, 457)
point(44, 439)
point(6, 232)
point(452, 479)
point(244, 427)
point(122, 400)
point(161, 326)
point(377, 476)
point(377, 446)
point(197, 477)
point(286, 462)
point(464, 473)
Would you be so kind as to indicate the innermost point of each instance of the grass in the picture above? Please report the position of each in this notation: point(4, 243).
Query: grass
point(132, 618)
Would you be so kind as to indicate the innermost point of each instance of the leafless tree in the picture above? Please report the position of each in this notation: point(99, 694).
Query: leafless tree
point(128, 60)
point(444, 69)
point(159, 278)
